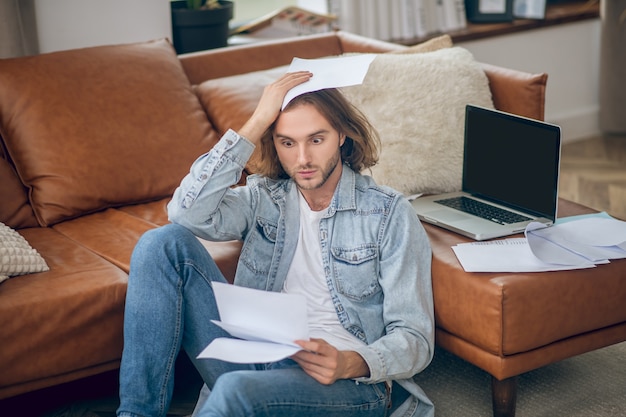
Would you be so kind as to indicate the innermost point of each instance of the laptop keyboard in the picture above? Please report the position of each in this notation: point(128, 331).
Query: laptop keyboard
point(480, 209)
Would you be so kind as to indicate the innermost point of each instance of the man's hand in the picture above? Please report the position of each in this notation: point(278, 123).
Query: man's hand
point(326, 364)
point(268, 108)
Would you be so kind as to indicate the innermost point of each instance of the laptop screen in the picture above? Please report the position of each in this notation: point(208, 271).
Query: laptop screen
point(511, 160)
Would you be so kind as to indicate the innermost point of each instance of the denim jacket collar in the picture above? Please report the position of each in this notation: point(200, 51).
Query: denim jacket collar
point(345, 194)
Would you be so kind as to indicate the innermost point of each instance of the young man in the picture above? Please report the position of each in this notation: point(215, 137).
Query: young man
point(311, 224)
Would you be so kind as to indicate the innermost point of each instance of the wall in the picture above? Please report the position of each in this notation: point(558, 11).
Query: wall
point(570, 54)
point(69, 24)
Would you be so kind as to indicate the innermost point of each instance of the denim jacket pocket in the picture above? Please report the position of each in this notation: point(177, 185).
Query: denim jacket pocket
point(258, 250)
point(355, 271)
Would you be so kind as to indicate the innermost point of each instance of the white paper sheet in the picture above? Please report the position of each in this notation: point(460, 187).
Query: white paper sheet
point(549, 252)
point(592, 231)
point(329, 73)
point(576, 243)
point(505, 255)
point(265, 323)
point(246, 351)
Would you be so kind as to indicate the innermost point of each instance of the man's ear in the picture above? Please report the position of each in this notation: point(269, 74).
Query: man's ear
point(342, 139)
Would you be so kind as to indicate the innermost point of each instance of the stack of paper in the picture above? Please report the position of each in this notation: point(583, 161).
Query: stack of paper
point(573, 243)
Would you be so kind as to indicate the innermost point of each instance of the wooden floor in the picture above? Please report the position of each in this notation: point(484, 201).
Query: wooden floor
point(593, 173)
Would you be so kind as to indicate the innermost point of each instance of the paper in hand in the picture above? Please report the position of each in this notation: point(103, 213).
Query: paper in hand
point(329, 73)
point(264, 325)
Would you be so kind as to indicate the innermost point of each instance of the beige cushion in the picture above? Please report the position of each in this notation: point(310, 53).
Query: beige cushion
point(99, 127)
point(17, 257)
point(417, 103)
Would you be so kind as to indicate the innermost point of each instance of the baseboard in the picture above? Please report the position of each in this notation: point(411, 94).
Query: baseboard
point(577, 125)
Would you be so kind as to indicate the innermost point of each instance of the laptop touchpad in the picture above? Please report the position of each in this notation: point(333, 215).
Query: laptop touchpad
point(448, 215)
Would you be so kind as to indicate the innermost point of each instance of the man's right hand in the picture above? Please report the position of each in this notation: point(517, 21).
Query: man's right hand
point(268, 108)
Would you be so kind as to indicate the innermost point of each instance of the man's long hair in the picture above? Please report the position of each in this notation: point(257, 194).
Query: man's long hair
point(360, 149)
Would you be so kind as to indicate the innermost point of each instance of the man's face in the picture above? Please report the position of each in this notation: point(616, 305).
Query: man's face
point(308, 148)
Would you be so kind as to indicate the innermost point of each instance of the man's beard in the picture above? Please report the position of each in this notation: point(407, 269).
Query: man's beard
point(326, 171)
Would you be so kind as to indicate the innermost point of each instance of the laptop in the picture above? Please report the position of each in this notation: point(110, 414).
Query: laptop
point(510, 177)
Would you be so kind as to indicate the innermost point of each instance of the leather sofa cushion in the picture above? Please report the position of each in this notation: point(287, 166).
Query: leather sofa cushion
point(517, 92)
point(225, 254)
point(110, 234)
point(76, 124)
point(113, 233)
point(154, 212)
point(15, 211)
point(67, 318)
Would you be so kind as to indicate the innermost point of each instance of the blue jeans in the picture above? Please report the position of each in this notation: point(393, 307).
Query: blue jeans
point(169, 307)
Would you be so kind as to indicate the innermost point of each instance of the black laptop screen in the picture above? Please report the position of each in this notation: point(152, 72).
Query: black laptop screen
point(512, 160)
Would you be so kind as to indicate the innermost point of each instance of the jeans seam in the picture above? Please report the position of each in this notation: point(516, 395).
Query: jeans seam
point(171, 360)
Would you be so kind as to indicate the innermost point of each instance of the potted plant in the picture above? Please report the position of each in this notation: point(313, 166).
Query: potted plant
point(200, 24)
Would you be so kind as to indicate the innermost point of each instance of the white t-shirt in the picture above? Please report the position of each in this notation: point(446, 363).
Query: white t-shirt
point(306, 277)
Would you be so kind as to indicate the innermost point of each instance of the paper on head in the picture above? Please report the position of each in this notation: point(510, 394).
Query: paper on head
point(329, 73)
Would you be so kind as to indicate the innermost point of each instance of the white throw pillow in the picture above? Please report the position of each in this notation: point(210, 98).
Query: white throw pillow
point(17, 257)
point(417, 104)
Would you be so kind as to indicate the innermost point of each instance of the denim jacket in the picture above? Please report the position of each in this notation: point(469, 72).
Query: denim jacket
point(376, 255)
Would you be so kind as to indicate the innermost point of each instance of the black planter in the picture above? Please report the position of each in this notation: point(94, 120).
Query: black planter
point(197, 30)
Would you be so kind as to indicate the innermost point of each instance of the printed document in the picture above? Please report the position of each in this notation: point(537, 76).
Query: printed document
point(506, 255)
point(264, 325)
point(573, 243)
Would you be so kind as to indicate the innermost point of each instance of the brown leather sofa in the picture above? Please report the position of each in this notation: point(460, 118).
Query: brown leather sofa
point(94, 141)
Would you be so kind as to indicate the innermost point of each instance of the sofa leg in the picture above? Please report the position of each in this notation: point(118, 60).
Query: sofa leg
point(503, 396)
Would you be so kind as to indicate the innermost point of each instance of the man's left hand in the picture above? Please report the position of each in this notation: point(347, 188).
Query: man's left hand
point(326, 364)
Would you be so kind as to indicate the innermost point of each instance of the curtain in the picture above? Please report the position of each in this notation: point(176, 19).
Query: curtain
point(613, 66)
point(18, 28)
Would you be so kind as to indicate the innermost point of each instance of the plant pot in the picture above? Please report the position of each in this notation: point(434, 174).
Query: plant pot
point(197, 30)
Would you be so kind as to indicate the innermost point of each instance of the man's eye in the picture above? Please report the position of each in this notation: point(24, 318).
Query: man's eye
point(317, 140)
point(287, 144)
